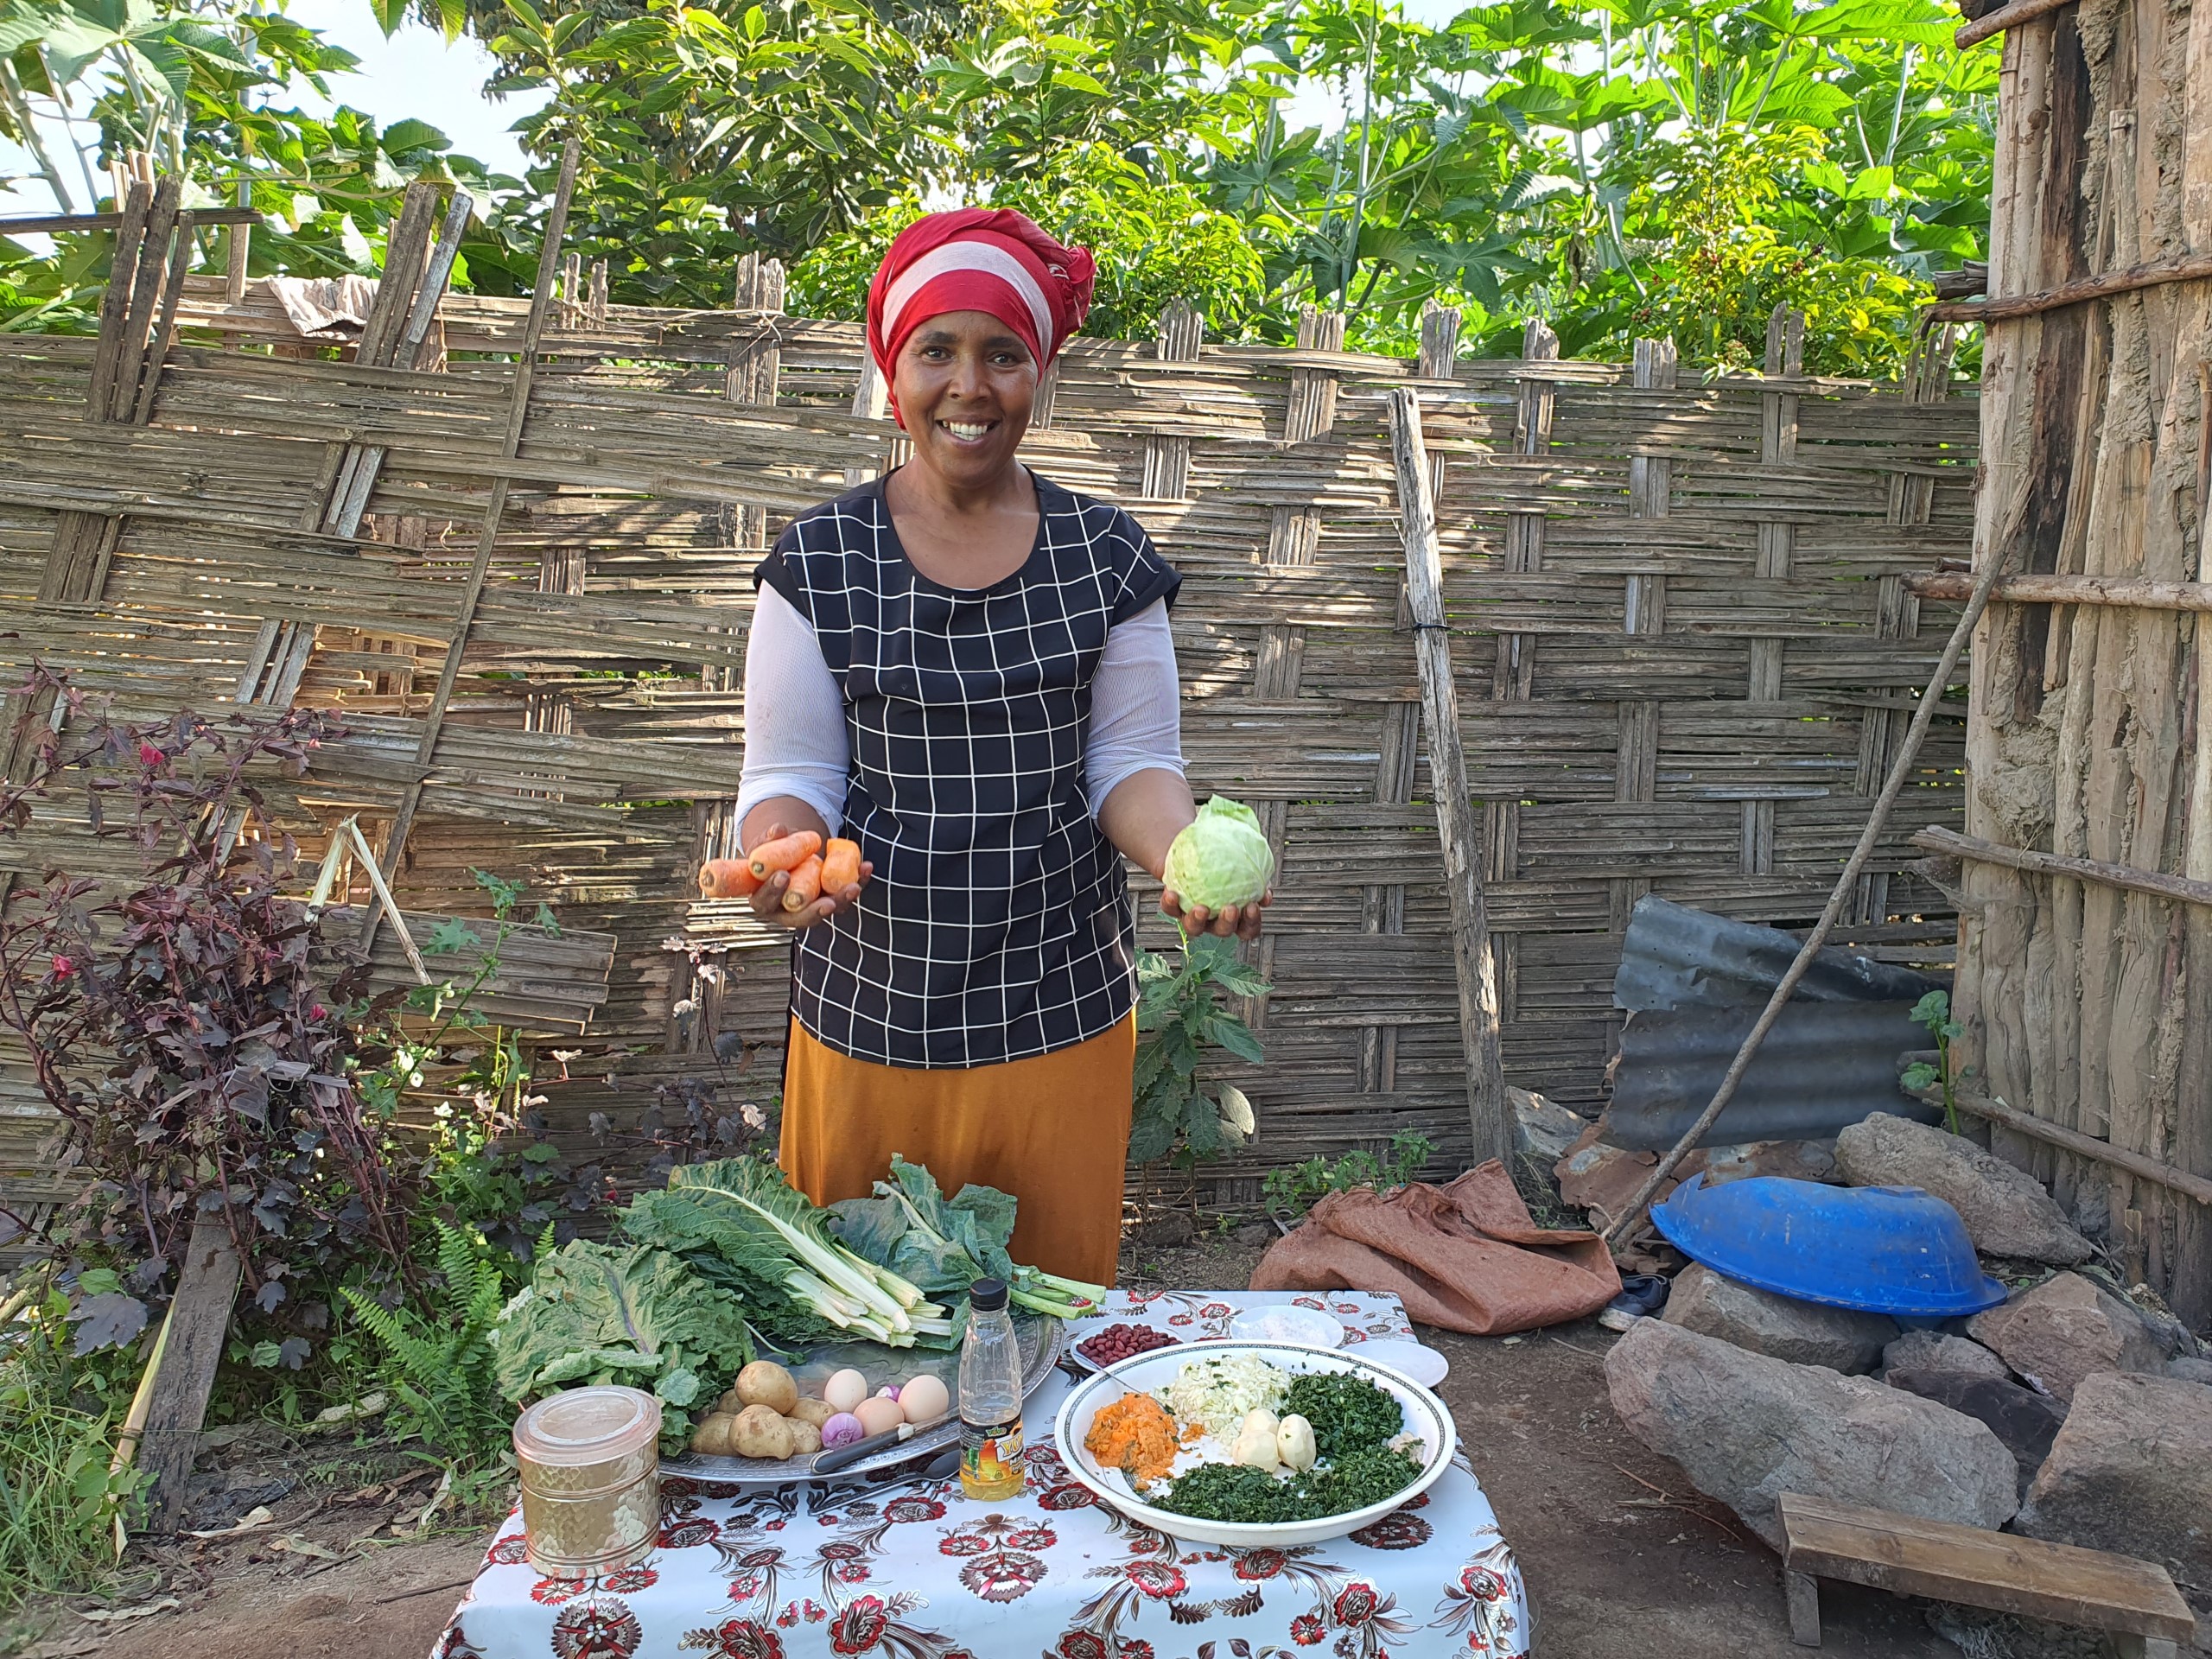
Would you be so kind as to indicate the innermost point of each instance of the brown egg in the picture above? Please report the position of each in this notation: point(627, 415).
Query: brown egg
point(878, 1415)
point(924, 1399)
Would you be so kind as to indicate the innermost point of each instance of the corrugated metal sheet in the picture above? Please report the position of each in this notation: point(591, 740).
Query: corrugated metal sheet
point(1694, 983)
point(1677, 958)
point(1824, 1065)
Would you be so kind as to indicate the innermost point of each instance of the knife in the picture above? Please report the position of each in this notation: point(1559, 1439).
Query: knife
point(829, 1463)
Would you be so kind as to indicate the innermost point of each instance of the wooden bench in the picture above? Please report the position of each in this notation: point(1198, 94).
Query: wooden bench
point(1909, 1556)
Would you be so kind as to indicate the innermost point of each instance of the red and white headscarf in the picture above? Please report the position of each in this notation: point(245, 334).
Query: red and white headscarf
point(988, 259)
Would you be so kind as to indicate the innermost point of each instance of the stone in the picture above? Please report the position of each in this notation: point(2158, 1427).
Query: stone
point(2189, 1368)
point(2065, 1329)
point(1792, 1161)
point(1781, 1327)
point(1541, 1129)
point(2131, 1473)
point(2025, 1421)
point(2006, 1211)
point(1746, 1429)
point(1933, 1350)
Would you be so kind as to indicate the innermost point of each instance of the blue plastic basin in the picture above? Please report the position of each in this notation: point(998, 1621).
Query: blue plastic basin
point(1880, 1249)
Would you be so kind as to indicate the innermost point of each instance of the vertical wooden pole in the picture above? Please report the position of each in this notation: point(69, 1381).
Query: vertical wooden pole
point(1650, 486)
point(1513, 672)
point(541, 305)
point(1785, 358)
point(1488, 1113)
point(199, 1322)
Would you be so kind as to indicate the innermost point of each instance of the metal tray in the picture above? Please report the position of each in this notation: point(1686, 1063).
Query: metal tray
point(1042, 1341)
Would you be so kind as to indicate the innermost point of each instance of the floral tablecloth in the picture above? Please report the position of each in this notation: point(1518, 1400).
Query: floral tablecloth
point(913, 1570)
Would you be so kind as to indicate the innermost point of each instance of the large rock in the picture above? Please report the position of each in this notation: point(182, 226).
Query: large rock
point(2025, 1421)
point(2131, 1471)
point(1746, 1429)
point(2007, 1211)
point(1781, 1327)
point(2066, 1329)
point(2191, 1369)
point(1541, 1128)
point(1932, 1351)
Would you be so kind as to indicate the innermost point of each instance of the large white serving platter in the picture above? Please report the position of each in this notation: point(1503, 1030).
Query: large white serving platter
point(1426, 1416)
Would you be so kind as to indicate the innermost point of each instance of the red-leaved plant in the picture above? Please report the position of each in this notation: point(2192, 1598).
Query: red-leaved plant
point(200, 1054)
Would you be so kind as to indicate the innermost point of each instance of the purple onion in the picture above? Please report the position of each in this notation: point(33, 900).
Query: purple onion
point(842, 1430)
point(888, 1391)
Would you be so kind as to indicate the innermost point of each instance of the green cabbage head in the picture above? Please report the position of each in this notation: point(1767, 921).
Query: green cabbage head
point(1221, 857)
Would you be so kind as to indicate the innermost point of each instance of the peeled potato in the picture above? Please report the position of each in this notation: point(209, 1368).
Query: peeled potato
point(712, 1438)
point(816, 1411)
point(764, 1383)
point(761, 1431)
point(806, 1438)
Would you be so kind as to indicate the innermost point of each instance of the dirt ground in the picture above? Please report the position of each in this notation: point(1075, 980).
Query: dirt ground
point(1622, 1559)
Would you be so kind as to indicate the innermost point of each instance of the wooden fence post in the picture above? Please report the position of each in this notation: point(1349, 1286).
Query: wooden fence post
point(1488, 1113)
point(198, 1323)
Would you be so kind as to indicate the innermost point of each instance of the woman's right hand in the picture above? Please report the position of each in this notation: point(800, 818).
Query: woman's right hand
point(767, 900)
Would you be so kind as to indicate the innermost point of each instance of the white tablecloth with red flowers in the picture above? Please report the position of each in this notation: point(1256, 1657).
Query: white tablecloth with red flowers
point(913, 1570)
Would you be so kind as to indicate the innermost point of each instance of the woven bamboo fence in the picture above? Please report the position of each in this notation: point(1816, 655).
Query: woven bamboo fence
point(2086, 943)
point(1681, 638)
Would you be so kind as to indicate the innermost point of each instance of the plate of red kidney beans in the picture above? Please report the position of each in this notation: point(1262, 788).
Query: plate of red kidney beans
point(1118, 1342)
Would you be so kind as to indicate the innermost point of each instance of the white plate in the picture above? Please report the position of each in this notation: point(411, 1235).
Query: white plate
point(1309, 1327)
point(1426, 1416)
point(1422, 1363)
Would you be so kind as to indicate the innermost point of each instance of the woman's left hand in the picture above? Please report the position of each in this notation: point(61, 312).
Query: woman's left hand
point(1239, 921)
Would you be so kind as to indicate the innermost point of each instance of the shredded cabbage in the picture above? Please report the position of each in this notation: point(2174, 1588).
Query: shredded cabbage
point(1217, 1393)
point(1221, 857)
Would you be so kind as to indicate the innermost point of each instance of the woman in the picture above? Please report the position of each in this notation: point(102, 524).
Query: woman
point(968, 670)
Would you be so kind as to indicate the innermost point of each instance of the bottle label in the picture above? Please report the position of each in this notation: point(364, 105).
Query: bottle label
point(990, 1458)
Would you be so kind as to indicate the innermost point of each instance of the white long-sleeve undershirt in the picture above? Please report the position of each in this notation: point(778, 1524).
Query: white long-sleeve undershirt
point(795, 739)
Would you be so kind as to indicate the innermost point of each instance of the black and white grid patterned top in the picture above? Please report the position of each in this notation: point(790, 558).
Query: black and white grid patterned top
point(997, 925)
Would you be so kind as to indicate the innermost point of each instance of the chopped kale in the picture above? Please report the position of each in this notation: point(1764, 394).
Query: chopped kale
point(1349, 1413)
point(1224, 1491)
point(1229, 1492)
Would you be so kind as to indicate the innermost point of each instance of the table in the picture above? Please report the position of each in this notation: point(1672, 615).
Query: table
point(913, 1570)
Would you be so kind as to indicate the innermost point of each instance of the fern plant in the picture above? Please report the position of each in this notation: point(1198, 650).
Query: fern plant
point(439, 1371)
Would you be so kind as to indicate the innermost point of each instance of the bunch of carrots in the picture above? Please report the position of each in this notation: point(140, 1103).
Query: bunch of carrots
point(814, 869)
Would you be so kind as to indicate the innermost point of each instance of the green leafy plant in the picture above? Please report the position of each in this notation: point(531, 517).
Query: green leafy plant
point(1293, 1189)
point(486, 1163)
point(1933, 1012)
point(60, 1496)
point(1180, 1016)
point(439, 1364)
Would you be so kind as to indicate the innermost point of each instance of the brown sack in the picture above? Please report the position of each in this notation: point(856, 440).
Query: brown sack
point(1465, 1256)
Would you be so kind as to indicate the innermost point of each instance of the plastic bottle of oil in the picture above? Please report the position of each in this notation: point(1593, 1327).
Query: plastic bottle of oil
point(991, 1464)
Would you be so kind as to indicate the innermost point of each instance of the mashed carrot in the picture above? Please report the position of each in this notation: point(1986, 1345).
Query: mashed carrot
point(1133, 1435)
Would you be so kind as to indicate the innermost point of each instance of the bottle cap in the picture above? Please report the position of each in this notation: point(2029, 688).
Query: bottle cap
point(986, 1296)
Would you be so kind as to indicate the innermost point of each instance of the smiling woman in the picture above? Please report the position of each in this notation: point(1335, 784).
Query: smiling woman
point(966, 670)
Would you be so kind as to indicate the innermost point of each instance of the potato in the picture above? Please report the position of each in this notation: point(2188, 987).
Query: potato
point(806, 1438)
point(816, 1411)
point(761, 1431)
point(712, 1438)
point(764, 1383)
point(730, 1402)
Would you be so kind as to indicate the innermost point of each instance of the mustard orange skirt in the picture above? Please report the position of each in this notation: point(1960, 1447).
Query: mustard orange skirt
point(1053, 1131)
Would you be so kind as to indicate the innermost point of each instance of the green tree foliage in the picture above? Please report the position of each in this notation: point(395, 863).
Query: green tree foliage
point(1620, 167)
point(210, 90)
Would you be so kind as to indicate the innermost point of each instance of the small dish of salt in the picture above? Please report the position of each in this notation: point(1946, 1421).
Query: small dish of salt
point(1285, 1322)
